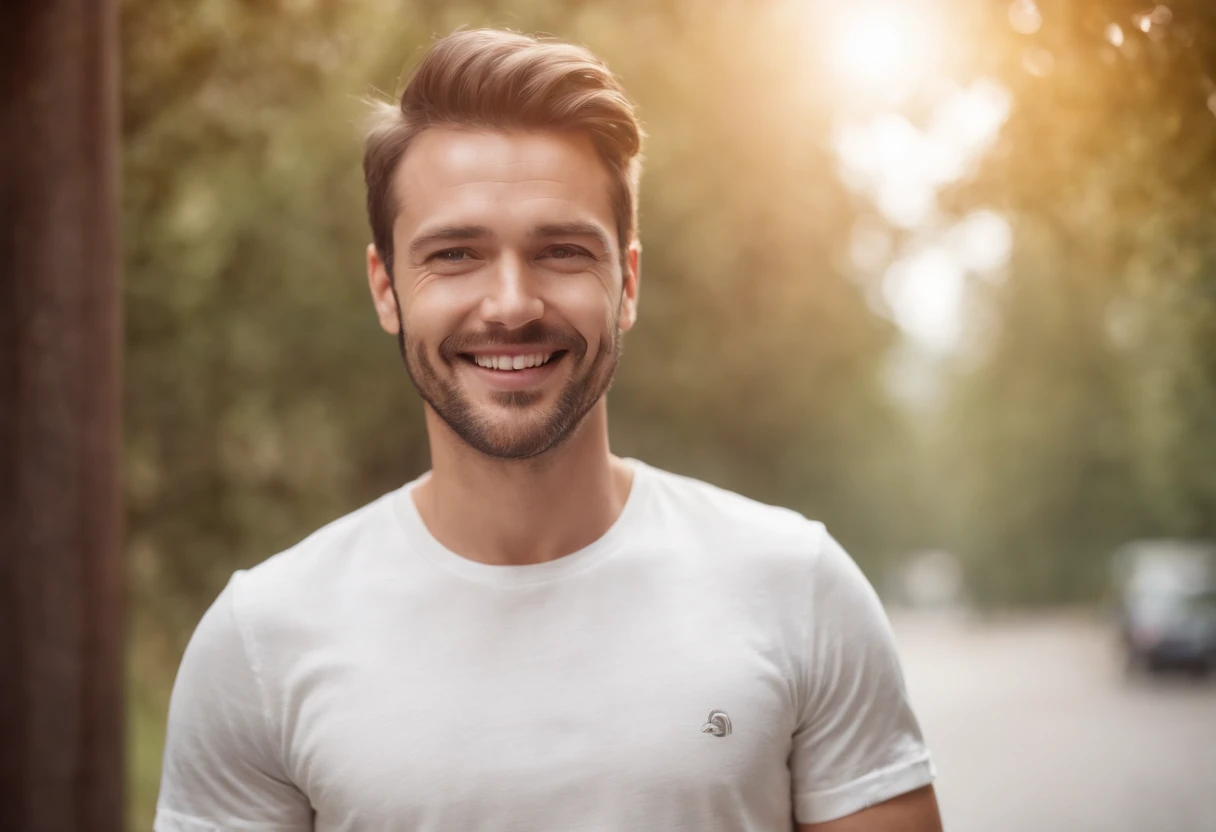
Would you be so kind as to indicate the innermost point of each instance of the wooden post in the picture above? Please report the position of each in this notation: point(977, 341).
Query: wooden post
point(61, 575)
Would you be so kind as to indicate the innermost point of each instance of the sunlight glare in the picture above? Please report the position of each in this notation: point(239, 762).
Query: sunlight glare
point(882, 47)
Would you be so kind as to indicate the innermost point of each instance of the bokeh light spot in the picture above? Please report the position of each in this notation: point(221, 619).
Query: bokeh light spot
point(1038, 62)
point(925, 294)
point(1024, 16)
point(870, 246)
point(982, 241)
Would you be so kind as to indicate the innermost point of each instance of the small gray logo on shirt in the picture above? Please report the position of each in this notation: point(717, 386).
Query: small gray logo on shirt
point(718, 725)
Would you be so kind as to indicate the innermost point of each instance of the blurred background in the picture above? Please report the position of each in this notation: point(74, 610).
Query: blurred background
point(940, 273)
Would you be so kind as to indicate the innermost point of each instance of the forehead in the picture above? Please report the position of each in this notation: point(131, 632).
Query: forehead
point(500, 180)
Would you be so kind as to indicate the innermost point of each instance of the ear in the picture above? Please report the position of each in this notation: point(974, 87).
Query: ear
point(381, 284)
point(629, 287)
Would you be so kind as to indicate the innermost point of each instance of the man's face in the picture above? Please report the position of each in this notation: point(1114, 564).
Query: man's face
point(510, 297)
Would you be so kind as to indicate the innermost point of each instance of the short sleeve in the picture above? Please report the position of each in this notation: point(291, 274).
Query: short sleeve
point(858, 742)
point(222, 765)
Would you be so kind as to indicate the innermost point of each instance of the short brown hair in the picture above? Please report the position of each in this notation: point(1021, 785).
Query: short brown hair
point(500, 80)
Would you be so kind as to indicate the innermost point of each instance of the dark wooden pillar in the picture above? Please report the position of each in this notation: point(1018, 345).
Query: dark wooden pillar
point(61, 734)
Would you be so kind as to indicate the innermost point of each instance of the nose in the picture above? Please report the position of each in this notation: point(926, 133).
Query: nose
point(511, 300)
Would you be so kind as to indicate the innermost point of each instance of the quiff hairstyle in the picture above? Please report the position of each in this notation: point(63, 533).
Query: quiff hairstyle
point(492, 79)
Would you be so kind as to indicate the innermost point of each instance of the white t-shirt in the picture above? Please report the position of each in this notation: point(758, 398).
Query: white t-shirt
point(371, 679)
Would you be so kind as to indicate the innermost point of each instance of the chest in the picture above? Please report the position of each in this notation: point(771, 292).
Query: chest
point(550, 715)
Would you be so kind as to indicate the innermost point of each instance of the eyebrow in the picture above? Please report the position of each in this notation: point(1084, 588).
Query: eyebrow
point(451, 233)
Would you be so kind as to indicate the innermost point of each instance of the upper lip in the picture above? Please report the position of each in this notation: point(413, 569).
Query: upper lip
point(513, 350)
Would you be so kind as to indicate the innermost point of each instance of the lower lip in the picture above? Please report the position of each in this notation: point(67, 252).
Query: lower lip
point(514, 380)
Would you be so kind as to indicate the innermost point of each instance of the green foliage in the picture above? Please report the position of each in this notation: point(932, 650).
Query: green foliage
point(1090, 417)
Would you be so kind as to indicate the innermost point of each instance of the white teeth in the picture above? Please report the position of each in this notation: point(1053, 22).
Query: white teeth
point(511, 362)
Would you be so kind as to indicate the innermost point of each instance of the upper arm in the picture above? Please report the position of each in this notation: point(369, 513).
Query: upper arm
point(857, 743)
point(914, 811)
point(223, 763)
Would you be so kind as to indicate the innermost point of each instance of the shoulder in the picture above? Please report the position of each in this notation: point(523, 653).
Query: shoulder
point(735, 525)
point(312, 577)
point(773, 563)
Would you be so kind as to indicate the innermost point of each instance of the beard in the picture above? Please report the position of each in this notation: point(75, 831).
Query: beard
point(527, 429)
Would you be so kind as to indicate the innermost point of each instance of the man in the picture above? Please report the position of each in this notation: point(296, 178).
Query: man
point(536, 635)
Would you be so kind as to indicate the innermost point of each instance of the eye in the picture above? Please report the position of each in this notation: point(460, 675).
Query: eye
point(451, 255)
point(566, 252)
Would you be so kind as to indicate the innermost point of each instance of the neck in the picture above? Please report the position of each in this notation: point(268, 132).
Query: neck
point(516, 512)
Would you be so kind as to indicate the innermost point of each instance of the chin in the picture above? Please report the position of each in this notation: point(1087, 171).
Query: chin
point(513, 445)
point(520, 401)
point(517, 430)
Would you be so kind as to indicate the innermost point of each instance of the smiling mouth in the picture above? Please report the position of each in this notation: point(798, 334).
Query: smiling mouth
point(513, 363)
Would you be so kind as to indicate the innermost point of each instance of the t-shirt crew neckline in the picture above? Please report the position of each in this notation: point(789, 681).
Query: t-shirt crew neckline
point(421, 541)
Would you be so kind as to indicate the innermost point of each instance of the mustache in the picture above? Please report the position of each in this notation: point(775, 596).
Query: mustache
point(531, 334)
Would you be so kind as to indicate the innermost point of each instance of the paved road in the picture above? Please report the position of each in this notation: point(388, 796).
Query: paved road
point(1034, 728)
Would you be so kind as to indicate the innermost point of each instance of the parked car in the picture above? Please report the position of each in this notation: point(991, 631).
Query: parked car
point(1167, 604)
